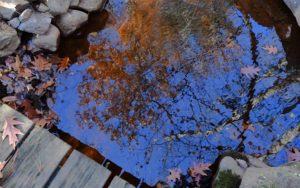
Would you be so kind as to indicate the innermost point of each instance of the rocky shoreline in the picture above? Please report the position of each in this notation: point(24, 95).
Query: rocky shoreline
point(46, 20)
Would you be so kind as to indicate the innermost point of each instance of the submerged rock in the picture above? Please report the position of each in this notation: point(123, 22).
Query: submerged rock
point(49, 40)
point(71, 21)
point(9, 40)
point(9, 8)
point(294, 5)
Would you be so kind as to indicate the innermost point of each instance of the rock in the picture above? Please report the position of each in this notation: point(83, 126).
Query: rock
point(254, 162)
point(43, 8)
point(9, 8)
point(71, 21)
point(57, 7)
point(14, 23)
point(294, 5)
point(91, 5)
point(37, 23)
point(74, 3)
point(9, 40)
point(26, 14)
point(49, 40)
point(229, 174)
point(279, 177)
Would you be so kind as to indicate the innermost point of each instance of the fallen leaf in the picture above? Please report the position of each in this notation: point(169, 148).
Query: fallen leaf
point(271, 49)
point(2, 165)
point(44, 86)
point(41, 64)
point(174, 175)
point(10, 131)
point(294, 155)
point(29, 110)
point(250, 71)
point(199, 169)
point(9, 99)
point(64, 64)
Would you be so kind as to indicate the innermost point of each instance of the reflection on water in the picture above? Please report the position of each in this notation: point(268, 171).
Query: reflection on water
point(161, 86)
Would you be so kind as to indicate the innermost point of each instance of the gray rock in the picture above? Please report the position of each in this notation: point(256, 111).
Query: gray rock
point(15, 22)
point(74, 3)
point(9, 40)
point(91, 5)
point(71, 21)
point(57, 7)
point(43, 8)
point(279, 177)
point(294, 5)
point(228, 163)
point(9, 8)
point(37, 23)
point(49, 40)
point(254, 162)
point(26, 14)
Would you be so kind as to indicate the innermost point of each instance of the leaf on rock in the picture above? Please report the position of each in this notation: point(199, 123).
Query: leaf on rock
point(10, 131)
point(174, 175)
point(250, 71)
point(271, 49)
point(294, 155)
point(41, 64)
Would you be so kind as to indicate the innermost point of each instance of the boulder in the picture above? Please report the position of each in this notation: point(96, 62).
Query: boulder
point(9, 40)
point(287, 176)
point(91, 5)
point(9, 8)
point(294, 5)
point(74, 3)
point(57, 7)
point(71, 21)
point(49, 40)
point(35, 22)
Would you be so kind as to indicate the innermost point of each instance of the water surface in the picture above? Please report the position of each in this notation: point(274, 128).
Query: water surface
point(161, 86)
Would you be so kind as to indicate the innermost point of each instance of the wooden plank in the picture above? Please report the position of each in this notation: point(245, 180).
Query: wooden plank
point(79, 172)
point(120, 183)
point(37, 159)
point(6, 111)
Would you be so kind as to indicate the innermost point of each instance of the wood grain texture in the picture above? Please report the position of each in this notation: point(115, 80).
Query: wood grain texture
point(120, 183)
point(37, 159)
point(80, 172)
point(6, 111)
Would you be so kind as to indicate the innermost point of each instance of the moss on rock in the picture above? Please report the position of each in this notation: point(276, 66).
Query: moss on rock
point(226, 179)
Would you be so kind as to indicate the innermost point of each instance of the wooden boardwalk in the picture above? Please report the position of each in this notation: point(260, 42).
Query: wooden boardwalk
point(43, 160)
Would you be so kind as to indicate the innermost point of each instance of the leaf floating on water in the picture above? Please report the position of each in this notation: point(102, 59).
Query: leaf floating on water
point(294, 155)
point(10, 131)
point(271, 49)
point(174, 175)
point(64, 64)
point(250, 71)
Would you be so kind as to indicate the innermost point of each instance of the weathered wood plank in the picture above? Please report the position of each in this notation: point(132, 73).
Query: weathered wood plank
point(37, 159)
point(120, 183)
point(79, 172)
point(6, 111)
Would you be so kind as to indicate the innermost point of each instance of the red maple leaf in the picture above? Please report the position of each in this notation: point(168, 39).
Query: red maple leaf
point(10, 131)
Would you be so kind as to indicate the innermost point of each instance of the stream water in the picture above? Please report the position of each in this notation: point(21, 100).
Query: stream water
point(159, 83)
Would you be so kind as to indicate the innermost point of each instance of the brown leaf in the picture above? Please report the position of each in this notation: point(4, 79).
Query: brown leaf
point(9, 99)
point(44, 86)
point(41, 64)
point(10, 131)
point(64, 64)
point(29, 110)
